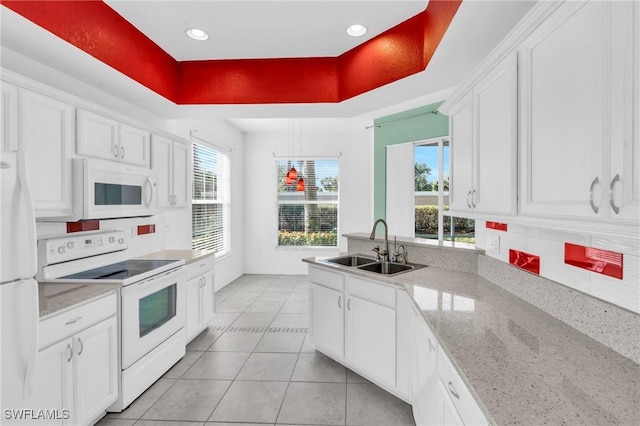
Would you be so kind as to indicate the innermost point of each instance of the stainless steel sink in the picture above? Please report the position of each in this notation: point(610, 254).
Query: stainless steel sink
point(351, 260)
point(386, 268)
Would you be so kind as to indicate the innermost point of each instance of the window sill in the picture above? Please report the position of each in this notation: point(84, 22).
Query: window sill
point(308, 248)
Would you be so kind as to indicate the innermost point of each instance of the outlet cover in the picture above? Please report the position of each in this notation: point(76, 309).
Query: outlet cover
point(493, 243)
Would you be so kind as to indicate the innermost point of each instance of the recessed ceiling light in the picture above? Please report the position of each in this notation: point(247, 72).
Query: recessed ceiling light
point(197, 34)
point(356, 30)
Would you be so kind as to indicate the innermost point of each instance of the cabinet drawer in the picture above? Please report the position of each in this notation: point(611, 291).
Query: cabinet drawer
point(200, 266)
point(458, 392)
point(373, 292)
point(63, 325)
point(326, 278)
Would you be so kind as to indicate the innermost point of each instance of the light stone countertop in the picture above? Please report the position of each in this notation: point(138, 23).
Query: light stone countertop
point(522, 365)
point(189, 256)
point(58, 296)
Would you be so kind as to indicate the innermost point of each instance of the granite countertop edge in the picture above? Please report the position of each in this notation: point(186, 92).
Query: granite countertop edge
point(72, 295)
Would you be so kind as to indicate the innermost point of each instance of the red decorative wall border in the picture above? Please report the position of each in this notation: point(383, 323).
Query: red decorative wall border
point(496, 226)
point(596, 260)
point(92, 26)
point(526, 261)
point(86, 225)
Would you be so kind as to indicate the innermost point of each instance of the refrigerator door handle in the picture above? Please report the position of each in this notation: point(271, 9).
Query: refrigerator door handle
point(32, 238)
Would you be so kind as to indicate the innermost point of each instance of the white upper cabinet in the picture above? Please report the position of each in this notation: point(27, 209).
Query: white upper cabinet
point(483, 132)
point(579, 151)
point(170, 160)
point(46, 136)
point(103, 137)
point(8, 116)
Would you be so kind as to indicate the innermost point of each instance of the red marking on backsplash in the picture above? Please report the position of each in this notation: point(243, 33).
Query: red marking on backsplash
point(526, 261)
point(87, 225)
point(497, 226)
point(146, 229)
point(603, 262)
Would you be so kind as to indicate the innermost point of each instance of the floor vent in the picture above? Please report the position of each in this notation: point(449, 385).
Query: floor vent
point(263, 329)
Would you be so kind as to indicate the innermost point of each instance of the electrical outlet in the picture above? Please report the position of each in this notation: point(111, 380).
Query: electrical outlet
point(493, 243)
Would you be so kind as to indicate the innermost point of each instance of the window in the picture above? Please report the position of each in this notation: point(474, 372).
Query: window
point(210, 200)
point(308, 217)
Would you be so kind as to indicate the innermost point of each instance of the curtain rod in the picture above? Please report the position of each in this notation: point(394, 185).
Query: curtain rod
point(433, 111)
point(212, 144)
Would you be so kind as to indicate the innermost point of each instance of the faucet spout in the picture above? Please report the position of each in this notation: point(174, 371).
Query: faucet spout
point(385, 252)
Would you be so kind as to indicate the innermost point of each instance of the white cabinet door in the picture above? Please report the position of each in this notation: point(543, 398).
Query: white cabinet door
point(461, 156)
point(425, 372)
point(52, 387)
point(207, 299)
point(192, 326)
point(565, 110)
point(496, 129)
point(371, 339)
point(405, 343)
point(181, 174)
point(47, 138)
point(326, 320)
point(8, 116)
point(624, 176)
point(134, 145)
point(96, 370)
point(161, 163)
point(97, 136)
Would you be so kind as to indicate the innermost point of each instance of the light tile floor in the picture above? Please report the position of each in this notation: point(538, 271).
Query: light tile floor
point(256, 365)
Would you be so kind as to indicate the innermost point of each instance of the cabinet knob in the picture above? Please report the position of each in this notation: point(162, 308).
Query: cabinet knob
point(612, 203)
point(453, 391)
point(70, 353)
point(595, 182)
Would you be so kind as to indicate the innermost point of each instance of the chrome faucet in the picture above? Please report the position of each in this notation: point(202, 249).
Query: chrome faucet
point(384, 253)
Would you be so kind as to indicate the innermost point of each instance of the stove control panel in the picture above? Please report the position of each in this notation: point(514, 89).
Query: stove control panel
point(73, 247)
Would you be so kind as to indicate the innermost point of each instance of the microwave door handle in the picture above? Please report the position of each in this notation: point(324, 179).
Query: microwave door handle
point(150, 192)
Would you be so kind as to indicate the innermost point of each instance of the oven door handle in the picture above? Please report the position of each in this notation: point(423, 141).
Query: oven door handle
point(128, 289)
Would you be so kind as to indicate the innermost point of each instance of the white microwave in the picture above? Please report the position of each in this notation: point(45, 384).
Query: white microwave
point(105, 190)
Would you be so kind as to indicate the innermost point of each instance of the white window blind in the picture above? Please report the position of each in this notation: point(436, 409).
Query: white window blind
point(210, 203)
point(308, 217)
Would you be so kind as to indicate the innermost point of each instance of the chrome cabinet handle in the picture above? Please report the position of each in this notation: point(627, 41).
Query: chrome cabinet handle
point(70, 353)
point(453, 391)
point(122, 152)
point(339, 301)
point(430, 345)
point(73, 321)
point(612, 203)
point(81, 346)
point(473, 198)
point(468, 195)
point(593, 184)
point(349, 305)
point(115, 151)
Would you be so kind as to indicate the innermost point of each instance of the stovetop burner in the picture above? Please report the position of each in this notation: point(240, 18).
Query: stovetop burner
point(119, 271)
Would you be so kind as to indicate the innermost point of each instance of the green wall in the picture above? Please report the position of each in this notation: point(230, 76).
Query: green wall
point(408, 126)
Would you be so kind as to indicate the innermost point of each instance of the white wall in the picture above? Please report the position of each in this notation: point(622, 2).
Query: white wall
point(355, 151)
point(228, 138)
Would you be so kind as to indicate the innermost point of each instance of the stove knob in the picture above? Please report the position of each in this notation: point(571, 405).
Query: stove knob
point(61, 250)
point(121, 241)
point(112, 240)
point(70, 245)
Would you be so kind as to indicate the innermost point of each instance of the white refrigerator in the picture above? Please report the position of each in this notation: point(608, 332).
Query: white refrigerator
point(18, 288)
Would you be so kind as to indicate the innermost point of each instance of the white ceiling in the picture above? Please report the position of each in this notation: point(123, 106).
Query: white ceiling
point(262, 29)
point(477, 28)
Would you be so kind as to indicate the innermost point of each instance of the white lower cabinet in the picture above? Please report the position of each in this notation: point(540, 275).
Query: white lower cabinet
point(326, 320)
point(376, 330)
point(76, 378)
point(200, 296)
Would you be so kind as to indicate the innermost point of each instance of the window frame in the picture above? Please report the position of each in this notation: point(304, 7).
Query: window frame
point(223, 195)
point(279, 202)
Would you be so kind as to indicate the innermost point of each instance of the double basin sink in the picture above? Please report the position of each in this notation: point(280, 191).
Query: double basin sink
point(370, 264)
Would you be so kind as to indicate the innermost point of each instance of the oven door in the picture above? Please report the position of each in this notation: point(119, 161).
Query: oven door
point(110, 190)
point(152, 311)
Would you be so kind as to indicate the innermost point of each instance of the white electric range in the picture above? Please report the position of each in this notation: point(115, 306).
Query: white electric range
point(151, 308)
